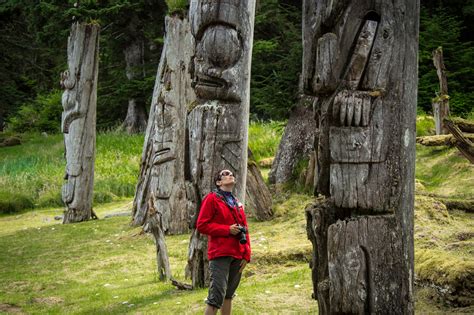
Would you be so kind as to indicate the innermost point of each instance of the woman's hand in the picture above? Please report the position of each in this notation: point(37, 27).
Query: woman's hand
point(234, 230)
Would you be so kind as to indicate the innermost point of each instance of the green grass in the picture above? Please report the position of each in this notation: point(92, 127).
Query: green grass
point(95, 266)
point(264, 138)
point(444, 244)
point(35, 169)
point(444, 171)
point(425, 125)
point(46, 267)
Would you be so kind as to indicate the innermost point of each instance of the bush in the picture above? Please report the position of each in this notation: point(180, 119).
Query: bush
point(14, 202)
point(42, 114)
point(176, 5)
point(425, 126)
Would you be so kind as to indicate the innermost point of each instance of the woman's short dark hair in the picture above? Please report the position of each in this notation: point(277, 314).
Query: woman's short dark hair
point(218, 176)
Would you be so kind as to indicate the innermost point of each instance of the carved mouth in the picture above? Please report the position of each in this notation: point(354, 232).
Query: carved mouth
point(210, 82)
point(162, 156)
point(209, 87)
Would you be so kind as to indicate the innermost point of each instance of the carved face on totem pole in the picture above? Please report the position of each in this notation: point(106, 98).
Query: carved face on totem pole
point(221, 29)
point(165, 137)
point(219, 49)
point(349, 78)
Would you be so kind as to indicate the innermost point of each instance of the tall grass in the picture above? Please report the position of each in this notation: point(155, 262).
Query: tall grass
point(264, 138)
point(444, 172)
point(35, 169)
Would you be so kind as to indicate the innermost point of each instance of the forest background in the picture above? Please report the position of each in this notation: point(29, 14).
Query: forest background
point(34, 42)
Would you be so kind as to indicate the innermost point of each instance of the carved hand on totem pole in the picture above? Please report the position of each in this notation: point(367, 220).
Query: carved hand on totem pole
point(357, 123)
point(219, 49)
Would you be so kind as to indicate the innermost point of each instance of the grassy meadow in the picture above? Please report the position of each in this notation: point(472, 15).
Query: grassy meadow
point(108, 267)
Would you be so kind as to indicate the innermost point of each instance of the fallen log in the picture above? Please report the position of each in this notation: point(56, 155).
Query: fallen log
point(463, 143)
point(456, 204)
point(439, 140)
point(181, 285)
point(464, 124)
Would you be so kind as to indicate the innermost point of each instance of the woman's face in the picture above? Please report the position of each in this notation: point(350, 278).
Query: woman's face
point(227, 178)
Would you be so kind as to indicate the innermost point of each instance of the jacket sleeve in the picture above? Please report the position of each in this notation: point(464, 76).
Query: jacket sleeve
point(205, 224)
point(248, 250)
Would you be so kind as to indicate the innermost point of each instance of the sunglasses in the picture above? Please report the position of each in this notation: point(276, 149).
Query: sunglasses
point(226, 173)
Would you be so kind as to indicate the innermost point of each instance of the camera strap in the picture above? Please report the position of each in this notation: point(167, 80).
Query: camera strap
point(231, 209)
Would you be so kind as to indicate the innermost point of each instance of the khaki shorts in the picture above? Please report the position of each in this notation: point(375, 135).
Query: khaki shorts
point(225, 278)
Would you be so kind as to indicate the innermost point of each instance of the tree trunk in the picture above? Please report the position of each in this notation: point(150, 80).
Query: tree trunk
point(360, 63)
point(162, 168)
point(441, 102)
point(78, 121)
point(258, 196)
point(218, 123)
point(135, 121)
point(296, 144)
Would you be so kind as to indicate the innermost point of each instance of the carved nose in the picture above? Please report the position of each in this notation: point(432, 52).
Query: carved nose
point(221, 45)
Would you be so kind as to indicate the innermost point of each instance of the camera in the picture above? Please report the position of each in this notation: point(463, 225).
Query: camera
point(243, 237)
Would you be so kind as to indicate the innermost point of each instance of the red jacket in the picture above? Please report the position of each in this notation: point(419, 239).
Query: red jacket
point(215, 220)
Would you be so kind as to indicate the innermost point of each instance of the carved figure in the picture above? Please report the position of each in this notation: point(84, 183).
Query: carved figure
point(360, 64)
point(78, 121)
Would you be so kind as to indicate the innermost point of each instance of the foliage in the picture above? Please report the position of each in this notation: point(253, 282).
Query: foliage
point(276, 60)
point(34, 38)
point(264, 138)
point(41, 114)
point(176, 5)
point(425, 125)
point(442, 25)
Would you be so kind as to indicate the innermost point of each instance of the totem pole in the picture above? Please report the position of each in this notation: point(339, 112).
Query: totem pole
point(78, 121)
point(162, 171)
point(218, 122)
point(360, 67)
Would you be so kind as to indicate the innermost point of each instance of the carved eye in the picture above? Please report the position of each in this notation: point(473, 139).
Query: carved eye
point(221, 46)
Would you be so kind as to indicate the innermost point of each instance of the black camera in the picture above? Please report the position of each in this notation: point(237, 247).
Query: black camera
point(243, 237)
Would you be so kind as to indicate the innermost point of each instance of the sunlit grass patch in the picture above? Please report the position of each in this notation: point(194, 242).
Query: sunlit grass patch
point(264, 138)
point(444, 171)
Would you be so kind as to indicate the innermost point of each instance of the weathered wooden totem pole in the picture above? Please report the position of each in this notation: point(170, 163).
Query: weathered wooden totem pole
point(78, 121)
point(162, 166)
point(360, 66)
point(218, 121)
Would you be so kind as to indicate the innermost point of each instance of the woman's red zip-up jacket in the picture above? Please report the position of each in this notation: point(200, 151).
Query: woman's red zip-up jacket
point(215, 220)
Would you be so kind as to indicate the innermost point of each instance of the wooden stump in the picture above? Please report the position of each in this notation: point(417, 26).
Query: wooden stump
point(296, 144)
point(258, 196)
point(78, 121)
